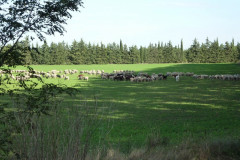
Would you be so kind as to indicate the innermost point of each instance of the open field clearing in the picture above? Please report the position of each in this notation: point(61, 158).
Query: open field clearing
point(191, 109)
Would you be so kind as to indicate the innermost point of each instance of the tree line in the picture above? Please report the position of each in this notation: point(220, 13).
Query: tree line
point(80, 52)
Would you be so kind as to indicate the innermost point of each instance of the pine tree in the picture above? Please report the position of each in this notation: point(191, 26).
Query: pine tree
point(160, 56)
point(234, 55)
point(134, 54)
point(213, 52)
point(194, 52)
point(182, 53)
point(126, 55)
point(62, 53)
point(26, 51)
point(73, 52)
point(45, 55)
point(35, 54)
point(227, 52)
point(238, 49)
point(121, 46)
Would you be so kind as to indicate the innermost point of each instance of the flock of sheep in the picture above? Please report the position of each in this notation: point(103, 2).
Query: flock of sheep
point(118, 75)
point(145, 77)
point(141, 76)
point(25, 75)
point(221, 77)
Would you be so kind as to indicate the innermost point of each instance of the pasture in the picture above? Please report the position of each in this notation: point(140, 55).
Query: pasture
point(191, 109)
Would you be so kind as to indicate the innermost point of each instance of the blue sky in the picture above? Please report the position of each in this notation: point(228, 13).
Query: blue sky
point(139, 22)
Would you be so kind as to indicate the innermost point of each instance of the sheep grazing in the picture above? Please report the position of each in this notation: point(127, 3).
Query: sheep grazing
point(154, 76)
point(47, 75)
point(99, 72)
point(35, 76)
point(174, 74)
point(177, 78)
point(66, 71)
point(67, 78)
point(189, 74)
point(164, 77)
point(119, 77)
point(63, 76)
point(54, 71)
point(75, 71)
point(53, 76)
point(168, 74)
point(104, 75)
point(132, 79)
point(85, 78)
point(129, 76)
point(12, 76)
point(204, 77)
point(80, 77)
point(196, 76)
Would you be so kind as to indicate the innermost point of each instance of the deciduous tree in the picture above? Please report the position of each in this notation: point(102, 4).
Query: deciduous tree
point(21, 17)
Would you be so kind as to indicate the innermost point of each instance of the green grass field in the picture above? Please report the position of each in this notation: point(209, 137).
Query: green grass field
point(188, 109)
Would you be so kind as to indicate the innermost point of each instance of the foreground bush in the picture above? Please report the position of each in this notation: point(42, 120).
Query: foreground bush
point(212, 150)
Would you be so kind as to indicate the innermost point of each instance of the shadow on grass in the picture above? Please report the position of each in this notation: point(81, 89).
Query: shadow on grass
point(210, 69)
point(196, 109)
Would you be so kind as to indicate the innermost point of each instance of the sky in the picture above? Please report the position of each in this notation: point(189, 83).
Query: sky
point(141, 22)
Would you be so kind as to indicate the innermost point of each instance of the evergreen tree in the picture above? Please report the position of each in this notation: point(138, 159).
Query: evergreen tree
point(134, 54)
point(145, 53)
point(234, 55)
point(26, 51)
point(35, 54)
point(168, 53)
point(62, 53)
point(73, 54)
point(82, 53)
point(126, 55)
point(227, 52)
point(214, 52)
point(141, 54)
point(53, 54)
point(182, 53)
point(121, 46)
point(238, 49)
point(193, 53)
point(45, 54)
point(103, 54)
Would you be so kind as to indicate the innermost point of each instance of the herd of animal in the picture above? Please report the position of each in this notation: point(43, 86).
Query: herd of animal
point(116, 75)
point(132, 76)
point(25, 75)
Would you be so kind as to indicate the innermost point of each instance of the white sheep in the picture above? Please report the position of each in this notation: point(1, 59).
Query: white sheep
point(53, 75)
point(67, 78)
point(66, 71)
point(12, 76)
point(131, 79)
point(85, 78)
point(177, 78)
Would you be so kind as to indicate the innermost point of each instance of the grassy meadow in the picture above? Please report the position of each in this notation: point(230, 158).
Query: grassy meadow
point(190, 109)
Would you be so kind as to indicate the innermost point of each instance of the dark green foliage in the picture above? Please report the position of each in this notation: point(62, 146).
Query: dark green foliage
point(18, 18)
point(83, 53)
point(27, 101)
point(182, 53)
